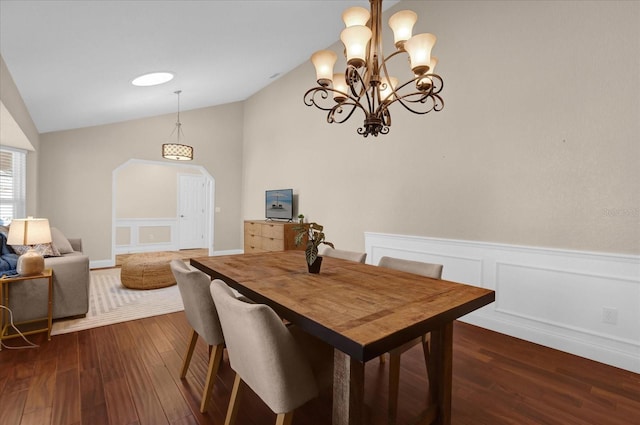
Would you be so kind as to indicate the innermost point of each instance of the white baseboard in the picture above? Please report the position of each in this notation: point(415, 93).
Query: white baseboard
point(229, 252)
point(101, 264)
point(557, 298)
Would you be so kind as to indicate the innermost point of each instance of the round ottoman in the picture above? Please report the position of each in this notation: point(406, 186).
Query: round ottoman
point(148, 270)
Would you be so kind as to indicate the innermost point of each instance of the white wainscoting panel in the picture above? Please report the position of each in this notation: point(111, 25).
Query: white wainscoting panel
point(136, 225)
point(558, 298)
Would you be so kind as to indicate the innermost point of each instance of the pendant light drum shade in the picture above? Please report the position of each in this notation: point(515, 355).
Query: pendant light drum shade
point(177, 152)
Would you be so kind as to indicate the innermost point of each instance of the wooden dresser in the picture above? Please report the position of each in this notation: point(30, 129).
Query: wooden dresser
point(261, 236)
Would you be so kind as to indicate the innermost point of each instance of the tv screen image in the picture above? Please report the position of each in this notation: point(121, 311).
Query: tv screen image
point(279, 204)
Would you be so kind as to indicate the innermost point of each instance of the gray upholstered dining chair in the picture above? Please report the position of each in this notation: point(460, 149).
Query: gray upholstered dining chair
point(359, 257)
point(424, 269)
point(202, 316)
point(285, 367)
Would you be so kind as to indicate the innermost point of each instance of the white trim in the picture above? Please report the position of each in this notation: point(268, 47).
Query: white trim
point(549, 296)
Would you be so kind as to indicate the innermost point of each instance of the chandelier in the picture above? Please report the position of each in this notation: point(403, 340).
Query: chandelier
point(366, 84)
point(177, 151)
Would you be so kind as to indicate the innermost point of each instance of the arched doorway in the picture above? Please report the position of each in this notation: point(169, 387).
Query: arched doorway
point(147, 205)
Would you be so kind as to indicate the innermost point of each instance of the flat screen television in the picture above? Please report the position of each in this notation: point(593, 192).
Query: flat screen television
point(279, 204)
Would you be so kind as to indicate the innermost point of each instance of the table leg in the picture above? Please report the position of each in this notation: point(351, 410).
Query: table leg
point(440, 382)
point(348, 390)
point(2, 311)
point(50, 308)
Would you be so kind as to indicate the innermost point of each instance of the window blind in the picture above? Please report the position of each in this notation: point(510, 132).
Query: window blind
point(13, 167)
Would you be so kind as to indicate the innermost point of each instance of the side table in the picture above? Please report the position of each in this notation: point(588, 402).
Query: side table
point(5, 322)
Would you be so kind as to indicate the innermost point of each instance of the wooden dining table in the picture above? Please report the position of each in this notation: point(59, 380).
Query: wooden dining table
point(362, 310)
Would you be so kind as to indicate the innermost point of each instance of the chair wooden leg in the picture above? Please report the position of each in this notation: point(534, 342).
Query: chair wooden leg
point(284, 418)
point(382, 357)
point(187, 357)
point(232, 410)
point(394, 384)
point(215, 357)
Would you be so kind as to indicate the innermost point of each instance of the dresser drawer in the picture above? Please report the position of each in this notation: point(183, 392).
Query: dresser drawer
point(270, 244)
point(252, 249)
point(252, 228)
point(252, 241)
point(273, 231)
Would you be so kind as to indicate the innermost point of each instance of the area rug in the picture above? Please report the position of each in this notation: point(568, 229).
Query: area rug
point(110, 302)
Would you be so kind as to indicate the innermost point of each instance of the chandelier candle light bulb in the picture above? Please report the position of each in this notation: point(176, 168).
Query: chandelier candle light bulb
point(419, 49)
point(402, 25)
point(355, 16)
point(324, 61)
point(365, 84)
point(355, 40)
point(340, 87)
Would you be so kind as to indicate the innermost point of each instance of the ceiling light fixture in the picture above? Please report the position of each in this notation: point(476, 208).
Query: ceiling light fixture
point(366, 83)
point(152, 79)
point(177, 151)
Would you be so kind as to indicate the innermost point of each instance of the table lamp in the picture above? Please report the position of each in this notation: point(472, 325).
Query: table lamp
point(29, 231)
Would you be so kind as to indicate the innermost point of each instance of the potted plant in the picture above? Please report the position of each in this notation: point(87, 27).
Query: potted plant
point(315, 237)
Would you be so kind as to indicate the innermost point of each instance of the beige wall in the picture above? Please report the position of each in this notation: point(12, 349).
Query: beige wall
point(148, 190)
point(76, 171)
point(14, 103)
point(538, 144)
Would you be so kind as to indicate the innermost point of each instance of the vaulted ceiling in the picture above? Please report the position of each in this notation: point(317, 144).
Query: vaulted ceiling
point(73, 61)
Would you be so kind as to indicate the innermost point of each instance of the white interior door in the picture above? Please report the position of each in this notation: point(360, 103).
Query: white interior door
point(192, 201)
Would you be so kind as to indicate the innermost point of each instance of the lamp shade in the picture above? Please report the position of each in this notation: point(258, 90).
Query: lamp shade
point(324, 60)
point(29, 231)
point(402, 25)
point(355, 40)
point(355, 16)
point(340, 83)
point(425, 83)
point(419, 49)
point(177, 152)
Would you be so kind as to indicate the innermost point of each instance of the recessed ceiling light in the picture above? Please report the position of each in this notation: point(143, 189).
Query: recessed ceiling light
point(152, 79)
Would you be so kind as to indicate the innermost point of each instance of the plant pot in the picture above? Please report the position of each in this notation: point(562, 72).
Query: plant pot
point(315, 267)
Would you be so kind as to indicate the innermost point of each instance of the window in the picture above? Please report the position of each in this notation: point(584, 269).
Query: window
point(12, 184)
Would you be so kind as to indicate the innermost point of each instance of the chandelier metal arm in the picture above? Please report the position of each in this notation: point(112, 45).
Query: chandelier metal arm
point(316, 95)
point(430, 92)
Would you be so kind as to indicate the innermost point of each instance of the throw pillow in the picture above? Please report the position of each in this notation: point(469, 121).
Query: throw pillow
point(60, 242)
point(44, 249)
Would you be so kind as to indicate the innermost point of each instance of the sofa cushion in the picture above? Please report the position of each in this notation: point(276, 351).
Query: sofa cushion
point(60, 241)
point(44, 249)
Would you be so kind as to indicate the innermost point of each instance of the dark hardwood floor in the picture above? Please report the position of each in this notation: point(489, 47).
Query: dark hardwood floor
point(128, 374)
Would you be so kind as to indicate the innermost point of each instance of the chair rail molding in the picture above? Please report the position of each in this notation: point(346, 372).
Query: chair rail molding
point(583, 303)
